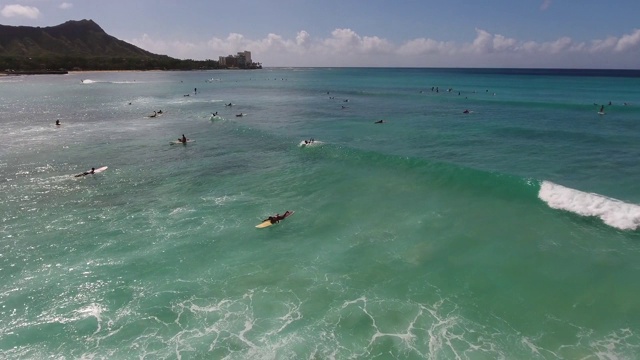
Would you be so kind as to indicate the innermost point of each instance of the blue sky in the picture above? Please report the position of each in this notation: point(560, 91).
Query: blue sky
point(403, 33)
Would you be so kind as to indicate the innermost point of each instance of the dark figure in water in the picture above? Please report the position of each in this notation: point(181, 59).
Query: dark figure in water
point(57, 122)
point(92, 171)
point(602, 108)
point(277, 217)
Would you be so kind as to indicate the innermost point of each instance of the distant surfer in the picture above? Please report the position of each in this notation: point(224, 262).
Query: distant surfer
point(58, 122)
point(601, 110)
point(465, 112)
point(159, 111)
point(379, 122)
point(229, 104)
point(278, 217)
point(154, 114)
point(92, 171)
point(183, 139)
point(195, 90)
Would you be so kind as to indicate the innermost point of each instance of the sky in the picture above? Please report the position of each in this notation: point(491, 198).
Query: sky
point(597, 34)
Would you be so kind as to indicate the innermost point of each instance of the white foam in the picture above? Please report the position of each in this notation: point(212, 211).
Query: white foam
point(612, 212)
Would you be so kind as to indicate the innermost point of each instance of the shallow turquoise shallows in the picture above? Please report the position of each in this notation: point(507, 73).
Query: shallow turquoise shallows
point(510, 230)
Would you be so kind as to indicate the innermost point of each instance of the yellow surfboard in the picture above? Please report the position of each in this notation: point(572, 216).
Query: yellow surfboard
point(268, 222)
point(264, 224)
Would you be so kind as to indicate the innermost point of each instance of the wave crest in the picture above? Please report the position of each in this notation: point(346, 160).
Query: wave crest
point(612, 212)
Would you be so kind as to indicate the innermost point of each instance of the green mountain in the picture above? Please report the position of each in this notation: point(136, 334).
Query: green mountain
point(79, 45)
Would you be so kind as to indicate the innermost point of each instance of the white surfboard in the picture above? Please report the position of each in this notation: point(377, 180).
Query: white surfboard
point(88, 172)
point(307, 143)
point(180, 142)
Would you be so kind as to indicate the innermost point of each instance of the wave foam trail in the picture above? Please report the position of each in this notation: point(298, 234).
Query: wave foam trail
point(613, 212)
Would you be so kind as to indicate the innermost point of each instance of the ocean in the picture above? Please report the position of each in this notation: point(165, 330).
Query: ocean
point(493, 214)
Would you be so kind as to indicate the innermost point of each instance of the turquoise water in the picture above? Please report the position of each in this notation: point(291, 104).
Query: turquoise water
point(508, 232)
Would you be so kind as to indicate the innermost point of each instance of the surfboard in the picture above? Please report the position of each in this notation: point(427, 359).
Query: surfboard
point(98, 170)
point(180, 142)
point(264, 224)
point(601, 112)
point(310, 144)
point(268, 222)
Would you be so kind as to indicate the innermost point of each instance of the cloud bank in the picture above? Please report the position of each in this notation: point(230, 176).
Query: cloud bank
point(345, 47)
point(16, 10)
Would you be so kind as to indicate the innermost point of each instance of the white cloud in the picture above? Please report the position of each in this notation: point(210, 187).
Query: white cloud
point(629, 42)
point(345, 47)
point(302, 38)
point(65, 5)
point(16, 10)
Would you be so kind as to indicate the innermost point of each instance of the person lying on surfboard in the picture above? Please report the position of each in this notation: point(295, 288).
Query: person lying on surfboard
point(278, 217)
point(92, 171)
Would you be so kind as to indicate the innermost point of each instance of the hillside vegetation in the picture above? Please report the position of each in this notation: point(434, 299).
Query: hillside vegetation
point(79, 45)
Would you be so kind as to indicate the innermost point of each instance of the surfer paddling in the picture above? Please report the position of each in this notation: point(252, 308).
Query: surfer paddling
point(92, 171)
point(278, 217)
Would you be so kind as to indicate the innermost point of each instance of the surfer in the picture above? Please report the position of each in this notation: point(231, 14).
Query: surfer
point(229, 104)
point(278, 217)
point(154, 114)
point(92, 171)
point(602, 109)
point(183, 139)
point(57, 122)
point(379, 122)
point(465, 112)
